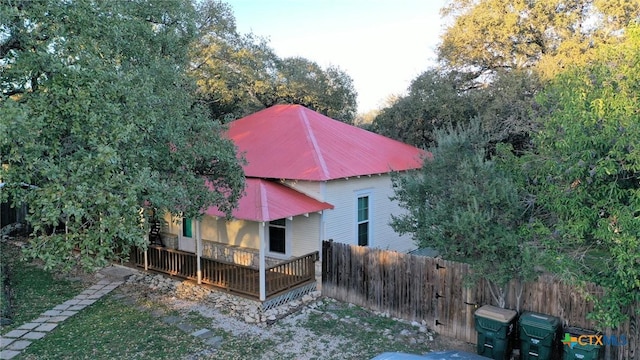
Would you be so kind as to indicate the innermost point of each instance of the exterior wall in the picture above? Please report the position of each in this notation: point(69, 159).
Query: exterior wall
point(305, 234)
point(236, 232)
point(340, 223)
point(309, 188)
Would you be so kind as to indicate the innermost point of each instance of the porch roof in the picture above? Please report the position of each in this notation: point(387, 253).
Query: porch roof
point(266, 200)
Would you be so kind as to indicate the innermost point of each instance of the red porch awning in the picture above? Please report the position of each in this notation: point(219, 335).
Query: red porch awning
point(266, 200)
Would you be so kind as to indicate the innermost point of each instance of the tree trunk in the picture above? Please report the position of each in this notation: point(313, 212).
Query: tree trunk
point(498, 294)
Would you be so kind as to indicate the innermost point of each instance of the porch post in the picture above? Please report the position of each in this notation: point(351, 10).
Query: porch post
point(146, 259)
point(262, 266)
point(198, 250)
point(146, 241)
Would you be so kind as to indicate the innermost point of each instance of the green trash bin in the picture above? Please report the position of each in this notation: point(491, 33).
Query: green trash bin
point(539, 337)
point(495, 327)
point(580, 344)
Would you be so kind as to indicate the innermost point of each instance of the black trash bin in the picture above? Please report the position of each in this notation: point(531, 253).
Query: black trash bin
point(539, 337)
point(495, 327)
point(580, 344)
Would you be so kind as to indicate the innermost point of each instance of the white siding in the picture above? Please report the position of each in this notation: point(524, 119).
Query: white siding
point(309, 188)
point(341, 221)
point(305, 234)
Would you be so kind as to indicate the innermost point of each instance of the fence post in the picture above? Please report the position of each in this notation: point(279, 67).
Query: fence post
point(326, 256)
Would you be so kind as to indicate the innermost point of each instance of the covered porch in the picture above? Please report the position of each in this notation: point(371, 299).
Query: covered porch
point(267, 250)
point(278, 277)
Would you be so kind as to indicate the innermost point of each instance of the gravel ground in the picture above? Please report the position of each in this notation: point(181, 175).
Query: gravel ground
point(319, 329)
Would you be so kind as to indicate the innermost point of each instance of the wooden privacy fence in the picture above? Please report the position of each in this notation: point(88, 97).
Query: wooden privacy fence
point(419, 288)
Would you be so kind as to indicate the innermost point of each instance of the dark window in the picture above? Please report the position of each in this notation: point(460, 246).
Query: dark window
point(277, 236)
point(187, 229)
point(363, 220)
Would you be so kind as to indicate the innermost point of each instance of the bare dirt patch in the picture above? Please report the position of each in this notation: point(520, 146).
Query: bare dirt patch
point(323, 329)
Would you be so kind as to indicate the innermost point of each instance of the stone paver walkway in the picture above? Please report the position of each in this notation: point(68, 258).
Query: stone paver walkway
point(13, 342)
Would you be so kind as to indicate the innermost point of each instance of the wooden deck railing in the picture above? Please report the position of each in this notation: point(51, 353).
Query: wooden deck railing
point(233, 277)
point(291, 273)
point(172, 262)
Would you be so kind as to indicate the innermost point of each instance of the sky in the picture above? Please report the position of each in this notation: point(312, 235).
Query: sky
point(381, 44)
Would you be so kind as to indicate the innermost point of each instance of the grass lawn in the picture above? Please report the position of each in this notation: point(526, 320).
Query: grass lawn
point(368, 333)
point(33, 289)
point(127, 324)
point(110, 329)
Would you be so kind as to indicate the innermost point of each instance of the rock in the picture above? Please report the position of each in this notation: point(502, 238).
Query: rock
point(215, 341)
point(249, 319)
point(415, 324)
point(423, 329)
point(405, 332)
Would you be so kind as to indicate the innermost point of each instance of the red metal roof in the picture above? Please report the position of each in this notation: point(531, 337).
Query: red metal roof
point(266, 200)
point(293, 142)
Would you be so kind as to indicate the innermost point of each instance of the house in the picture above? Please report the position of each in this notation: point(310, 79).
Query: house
point(309, 178)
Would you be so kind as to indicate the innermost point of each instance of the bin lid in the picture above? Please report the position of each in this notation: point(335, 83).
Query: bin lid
point(576, 331)
point(496, 313)
point(540, 321)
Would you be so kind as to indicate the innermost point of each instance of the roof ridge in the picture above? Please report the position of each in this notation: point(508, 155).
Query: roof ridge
point(312, 138)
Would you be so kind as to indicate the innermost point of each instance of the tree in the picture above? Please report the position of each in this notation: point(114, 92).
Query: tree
point(488, 35)
point(507, 107)
point(329, 92)
point(435, 99)
point(97, 113)
point(585, 175)
point(239, 74)
point(236, 73)
point(468, 208)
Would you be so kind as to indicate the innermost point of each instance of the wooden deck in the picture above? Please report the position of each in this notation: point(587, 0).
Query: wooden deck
point(228, 276)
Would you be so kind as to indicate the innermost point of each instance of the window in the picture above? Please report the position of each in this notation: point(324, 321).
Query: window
point(277, 236)
point(363, 220)
point(187, 228)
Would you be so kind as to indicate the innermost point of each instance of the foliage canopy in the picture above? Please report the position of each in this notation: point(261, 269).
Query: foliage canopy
point(239, 74)
point(97, 112)
point(585, 174)
point(489, 35)
point(468, 208)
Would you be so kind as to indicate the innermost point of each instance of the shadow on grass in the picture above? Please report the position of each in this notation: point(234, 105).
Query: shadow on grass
point(110, 330)
point(32, 289)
